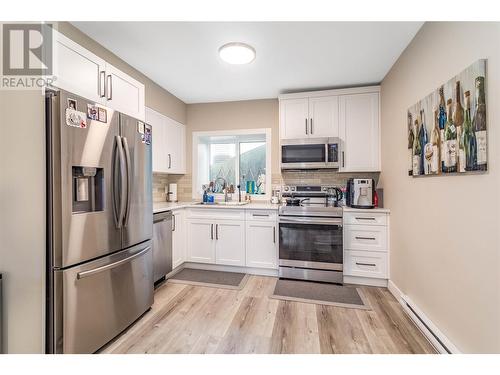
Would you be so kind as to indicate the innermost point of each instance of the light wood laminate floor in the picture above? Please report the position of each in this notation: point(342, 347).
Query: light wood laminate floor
point(194, 319)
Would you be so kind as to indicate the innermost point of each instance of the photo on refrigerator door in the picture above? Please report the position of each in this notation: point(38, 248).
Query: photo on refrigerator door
point(447, 132)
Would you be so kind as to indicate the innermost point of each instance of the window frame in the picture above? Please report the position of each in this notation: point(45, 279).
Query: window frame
point(196, 190)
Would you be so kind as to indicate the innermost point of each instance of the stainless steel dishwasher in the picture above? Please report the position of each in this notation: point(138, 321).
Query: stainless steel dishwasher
point(162, 245)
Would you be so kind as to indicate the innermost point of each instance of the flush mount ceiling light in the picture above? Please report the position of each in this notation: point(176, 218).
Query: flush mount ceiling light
point(237, 53)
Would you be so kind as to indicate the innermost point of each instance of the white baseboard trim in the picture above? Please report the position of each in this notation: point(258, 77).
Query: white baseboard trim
point(437, 338)
point(365, 281)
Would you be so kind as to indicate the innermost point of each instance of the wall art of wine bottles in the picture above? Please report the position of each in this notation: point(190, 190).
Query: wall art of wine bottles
point(447, 132)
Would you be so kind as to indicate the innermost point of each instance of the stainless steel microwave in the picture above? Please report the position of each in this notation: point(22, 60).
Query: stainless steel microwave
point(310, 153)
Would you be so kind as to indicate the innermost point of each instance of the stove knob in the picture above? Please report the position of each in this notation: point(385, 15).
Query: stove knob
point(293, 188)
point(286, 188)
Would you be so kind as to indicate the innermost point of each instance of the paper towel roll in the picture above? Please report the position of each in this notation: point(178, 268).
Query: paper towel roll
point(172, 192)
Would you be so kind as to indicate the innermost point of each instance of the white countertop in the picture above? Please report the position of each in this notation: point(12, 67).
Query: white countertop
point(172, 206)
point(367, 210)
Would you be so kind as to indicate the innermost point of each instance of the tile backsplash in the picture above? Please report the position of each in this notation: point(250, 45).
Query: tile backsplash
point(184, 182)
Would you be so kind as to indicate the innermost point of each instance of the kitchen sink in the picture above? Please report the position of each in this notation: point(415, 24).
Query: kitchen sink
point(230, 203)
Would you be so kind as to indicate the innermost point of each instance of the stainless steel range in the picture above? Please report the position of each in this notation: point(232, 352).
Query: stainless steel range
point(310, 234)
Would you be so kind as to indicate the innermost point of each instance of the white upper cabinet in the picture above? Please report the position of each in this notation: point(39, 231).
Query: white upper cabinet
point(169, 143)
point(294, 114)
point(124, 93)
point(309, 117)
point(79, 71)
point(324, 116)
point(352, 115)
point(360, 132)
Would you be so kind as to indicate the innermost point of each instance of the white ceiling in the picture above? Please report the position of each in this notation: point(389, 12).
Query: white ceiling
point(182, 57)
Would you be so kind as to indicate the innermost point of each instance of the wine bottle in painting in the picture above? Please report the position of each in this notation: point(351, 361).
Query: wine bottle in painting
point(423, 138)
point(450, 145)
point(435, 146)
point(479, 124)
point(442, 123)
point(468, 139)
point(411, 137)
point(417, 151)
point(458, 121)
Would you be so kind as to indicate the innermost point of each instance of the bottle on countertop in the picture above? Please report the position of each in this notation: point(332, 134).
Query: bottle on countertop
point(479, 124)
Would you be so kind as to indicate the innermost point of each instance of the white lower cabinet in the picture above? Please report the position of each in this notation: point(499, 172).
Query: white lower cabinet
point(178, 239)
point(216, 241)
point(366, 247)
point(230, 243)
point(200, 241)
point(261, 244)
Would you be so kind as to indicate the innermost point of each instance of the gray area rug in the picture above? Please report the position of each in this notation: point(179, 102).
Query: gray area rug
point(320, 294)
point(213, 279)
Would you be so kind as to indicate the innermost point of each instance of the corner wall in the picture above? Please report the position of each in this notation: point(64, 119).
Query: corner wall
point(445, 231)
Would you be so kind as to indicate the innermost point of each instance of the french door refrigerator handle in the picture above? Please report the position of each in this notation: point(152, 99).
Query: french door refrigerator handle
point(83, 274)
point(120, 210)
point(129, 181)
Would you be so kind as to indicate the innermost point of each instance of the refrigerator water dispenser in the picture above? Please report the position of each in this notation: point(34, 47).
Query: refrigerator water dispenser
point(88, 189)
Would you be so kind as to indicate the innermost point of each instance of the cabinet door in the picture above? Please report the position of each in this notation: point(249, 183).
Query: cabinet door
point(178, 239)
point(261, 244)
point(175, 146)
point(77, 70)
point(294, 114)
point(124, 94)
point(324, 116)
point(359, 132)
point(200, 241)
point(157, 122)
point(230, 243)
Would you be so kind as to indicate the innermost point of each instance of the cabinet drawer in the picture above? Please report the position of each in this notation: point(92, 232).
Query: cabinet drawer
point(365, 237)
point(261, 215)
point(365, 264)
point(365, 218)
point(215, 213)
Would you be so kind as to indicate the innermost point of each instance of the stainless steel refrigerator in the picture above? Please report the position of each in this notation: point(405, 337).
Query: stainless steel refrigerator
point(99, 223)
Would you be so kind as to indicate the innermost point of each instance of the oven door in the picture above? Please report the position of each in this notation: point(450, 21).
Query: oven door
point(311, 243)
point(303, 155)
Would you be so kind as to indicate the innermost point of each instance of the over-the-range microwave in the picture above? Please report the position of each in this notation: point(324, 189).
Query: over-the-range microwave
point(310, 153)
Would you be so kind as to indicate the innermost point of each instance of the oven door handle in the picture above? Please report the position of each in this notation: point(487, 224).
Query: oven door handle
point(302, 220)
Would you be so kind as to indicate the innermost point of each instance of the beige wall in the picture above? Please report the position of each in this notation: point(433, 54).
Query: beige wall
point(157, 98)
point(445, 230)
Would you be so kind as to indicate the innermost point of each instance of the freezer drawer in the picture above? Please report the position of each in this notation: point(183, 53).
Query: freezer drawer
point(99, 299)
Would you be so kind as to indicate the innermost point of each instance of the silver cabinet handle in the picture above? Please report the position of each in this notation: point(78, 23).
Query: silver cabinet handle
point(274, 234)
point(343, 159)
point(211, 231)
point(366, 264)
point(260, 215)
point(365, 238)
point(365, 218)
point(173, 223)
point(83, 274)
point(306, 128)
point(311, 125)
point(169, 161)
point(110, 87)
point(216, 231)
point(102, 84)
point(129, 180)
